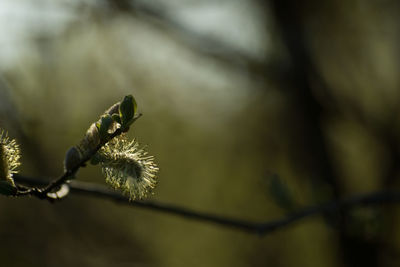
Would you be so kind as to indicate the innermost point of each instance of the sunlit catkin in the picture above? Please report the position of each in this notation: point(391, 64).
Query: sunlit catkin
point(9, 157)
point(127, 167)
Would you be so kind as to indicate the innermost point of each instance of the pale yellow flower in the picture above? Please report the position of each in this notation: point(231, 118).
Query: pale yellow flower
point(127, 167)
point(9, 157)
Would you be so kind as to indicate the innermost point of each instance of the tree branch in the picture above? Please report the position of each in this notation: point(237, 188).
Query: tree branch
point(203, 44)
point(263, 228)
point(69, 172)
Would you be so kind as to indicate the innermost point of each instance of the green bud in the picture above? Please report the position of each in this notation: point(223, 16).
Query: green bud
point(116, 118)
point(72, 159)
point(127, 110)
point(104, 125)
point(90, 141)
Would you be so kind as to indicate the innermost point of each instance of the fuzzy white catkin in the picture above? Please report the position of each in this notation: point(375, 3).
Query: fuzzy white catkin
point(10, 157)
point(128, 168)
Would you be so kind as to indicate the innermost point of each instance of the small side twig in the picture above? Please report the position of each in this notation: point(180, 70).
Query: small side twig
point(45, 193)
point(70, 173)
point(261, 228)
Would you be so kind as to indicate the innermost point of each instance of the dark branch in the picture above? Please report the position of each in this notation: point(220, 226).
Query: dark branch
point(102, 192)
point(203, 44)
point(68, 174)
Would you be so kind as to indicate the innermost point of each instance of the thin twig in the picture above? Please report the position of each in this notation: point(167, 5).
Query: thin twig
point(70, 173)
point(46, 192)
point(102, 192)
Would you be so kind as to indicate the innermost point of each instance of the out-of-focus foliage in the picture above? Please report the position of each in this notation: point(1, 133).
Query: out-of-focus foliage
point(218, 119)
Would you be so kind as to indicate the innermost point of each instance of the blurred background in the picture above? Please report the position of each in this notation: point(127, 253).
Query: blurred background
point(252, 109)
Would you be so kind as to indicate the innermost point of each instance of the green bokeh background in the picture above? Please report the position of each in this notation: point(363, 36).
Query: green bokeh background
point(218, 132)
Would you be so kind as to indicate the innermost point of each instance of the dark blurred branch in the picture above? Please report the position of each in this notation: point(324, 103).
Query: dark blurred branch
point(314, 150)
point(102, 192)
point(204, 44)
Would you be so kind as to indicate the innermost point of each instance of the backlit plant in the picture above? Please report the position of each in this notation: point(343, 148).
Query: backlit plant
point(126, 166)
